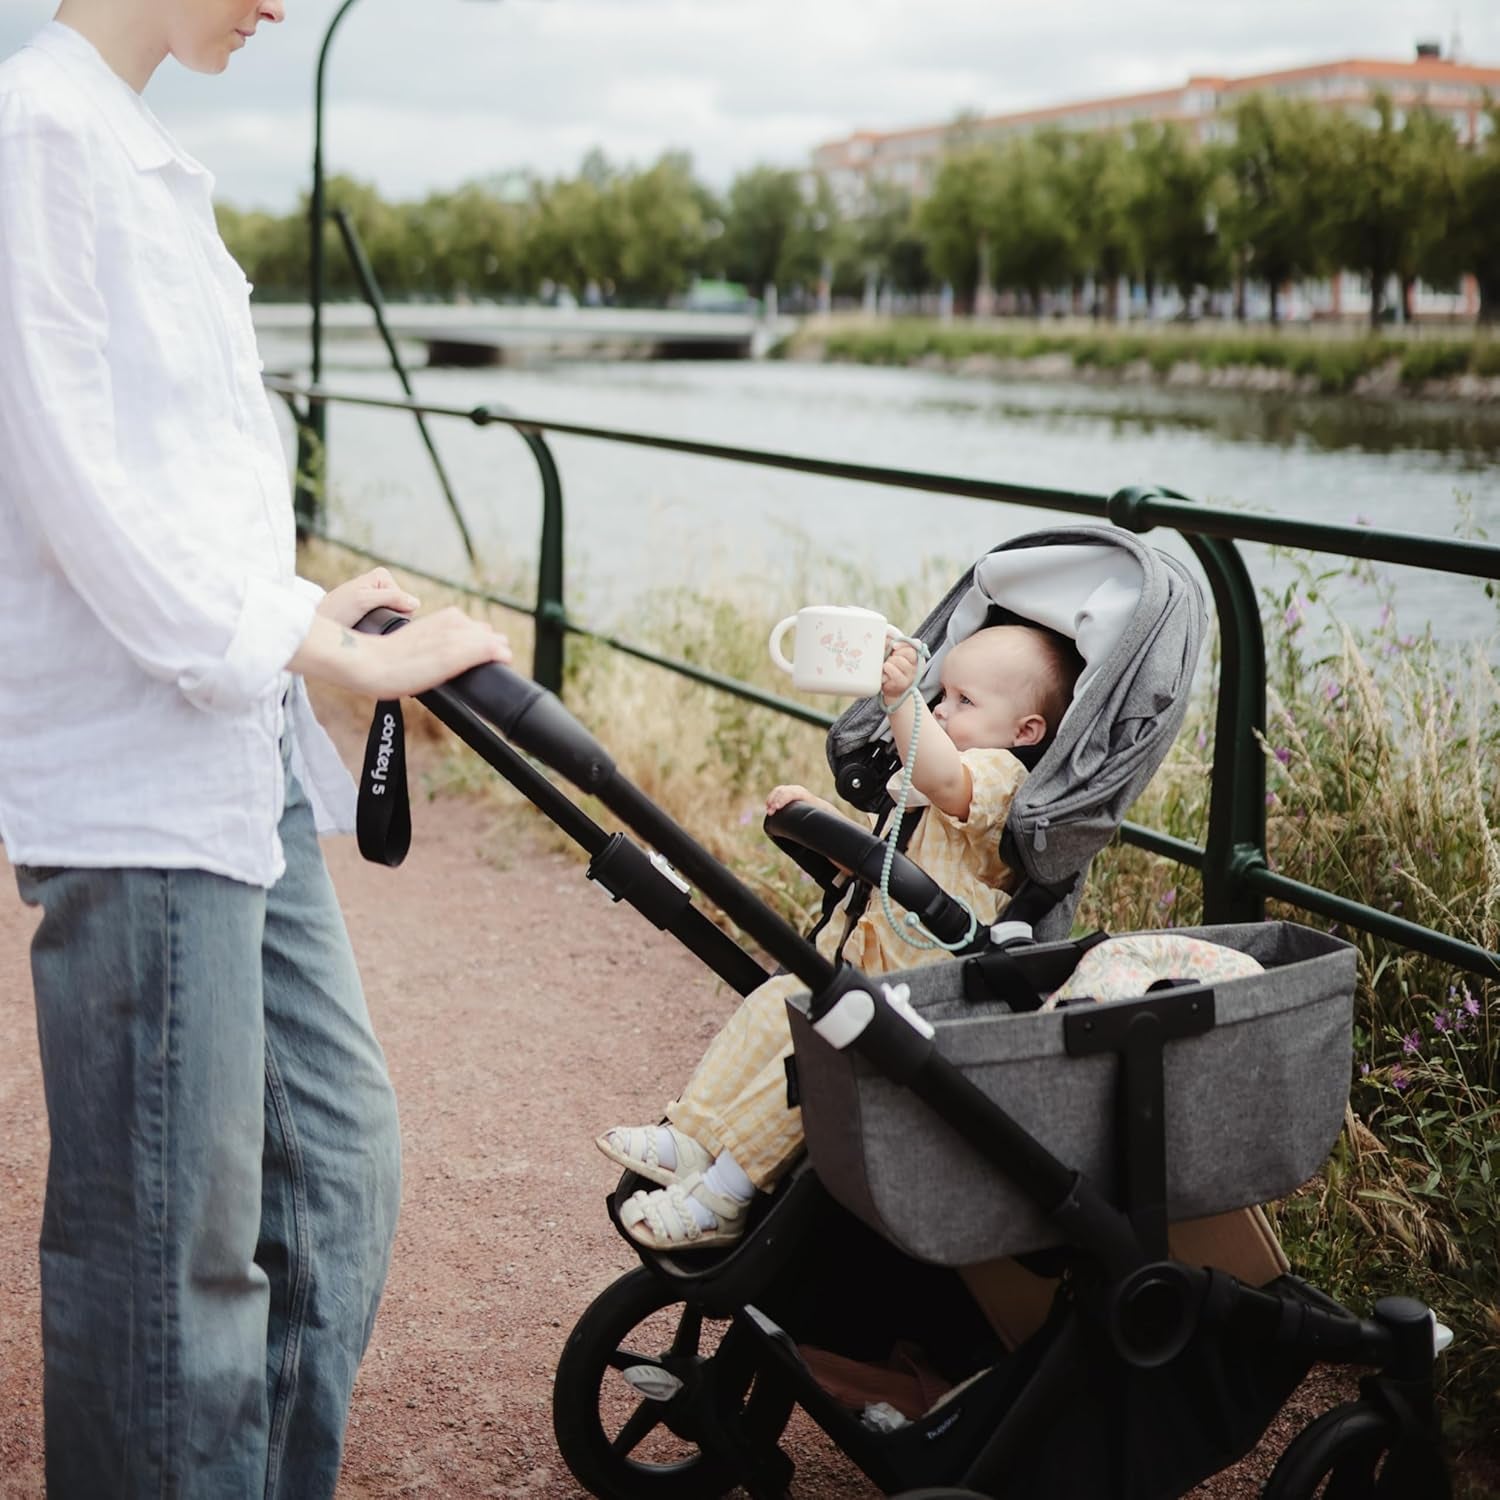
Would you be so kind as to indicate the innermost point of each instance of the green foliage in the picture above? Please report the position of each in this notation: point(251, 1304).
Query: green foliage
point(1435, 359)
point(955, 218)
point(1173, 212)
point(1295, 192)
point(773, 234)
point(1275, 219)
point(1330, 365)
point(636, 235)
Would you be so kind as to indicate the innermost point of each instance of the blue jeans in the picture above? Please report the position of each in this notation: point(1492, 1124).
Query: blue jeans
point(223, 1179)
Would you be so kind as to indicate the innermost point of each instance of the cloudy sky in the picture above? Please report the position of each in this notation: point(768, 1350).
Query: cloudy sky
point(428, 93)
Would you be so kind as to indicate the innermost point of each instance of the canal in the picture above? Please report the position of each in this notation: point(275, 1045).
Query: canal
point(641, 521)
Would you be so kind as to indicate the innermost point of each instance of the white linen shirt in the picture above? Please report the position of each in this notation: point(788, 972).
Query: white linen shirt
point(148, 593)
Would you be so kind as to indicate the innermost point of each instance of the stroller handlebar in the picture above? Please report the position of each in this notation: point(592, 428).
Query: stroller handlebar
point(520, 709)
point(863, 855)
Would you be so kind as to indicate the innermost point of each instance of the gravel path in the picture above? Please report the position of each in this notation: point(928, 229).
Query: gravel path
point(521, 1012)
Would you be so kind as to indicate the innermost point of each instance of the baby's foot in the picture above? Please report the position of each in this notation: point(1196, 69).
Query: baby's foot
point(689, 1215)
point(658, 1152)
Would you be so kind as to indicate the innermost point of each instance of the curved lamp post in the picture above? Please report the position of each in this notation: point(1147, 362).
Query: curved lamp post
point(312, 437)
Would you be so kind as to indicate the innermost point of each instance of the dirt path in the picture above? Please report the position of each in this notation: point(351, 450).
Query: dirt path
point(520, 1012)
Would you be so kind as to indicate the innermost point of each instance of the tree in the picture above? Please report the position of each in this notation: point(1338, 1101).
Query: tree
point(1432, 170)
point(773, 232)
point(1096, 185)
point(1276, 216)
point(886, 246)
point(956, 218)
point(1370, 189)
point(1032, 240)
point(664, 217)
point(1475, 241)
point(574, 236)
point(1173, 212)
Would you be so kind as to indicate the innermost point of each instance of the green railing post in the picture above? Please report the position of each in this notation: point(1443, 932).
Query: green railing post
point(551, 614)
point(1236, 840)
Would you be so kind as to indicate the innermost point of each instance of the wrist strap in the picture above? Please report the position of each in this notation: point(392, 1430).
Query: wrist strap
point(382, 821)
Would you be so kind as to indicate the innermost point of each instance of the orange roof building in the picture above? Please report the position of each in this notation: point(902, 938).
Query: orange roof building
point(1458, 91)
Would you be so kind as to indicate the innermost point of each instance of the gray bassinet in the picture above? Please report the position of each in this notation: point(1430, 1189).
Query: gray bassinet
point(1252, 1105)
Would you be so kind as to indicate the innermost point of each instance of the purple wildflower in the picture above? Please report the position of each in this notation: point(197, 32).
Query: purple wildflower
point(746, 816)
point(1168, 898)
point(1364, 1070)
point(1387, 612)
point(1411, 1042)
point(1331, 690)
point(1283, 755)
point(1203, 739)
point(1399, 1078)
point(1440, 1021)
point(1292, 619)
point(1471, 1005)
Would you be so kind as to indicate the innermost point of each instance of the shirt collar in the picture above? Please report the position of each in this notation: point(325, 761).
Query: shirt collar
point(144, 137)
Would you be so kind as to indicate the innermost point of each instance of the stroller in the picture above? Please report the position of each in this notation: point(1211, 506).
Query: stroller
point(1041, 1201)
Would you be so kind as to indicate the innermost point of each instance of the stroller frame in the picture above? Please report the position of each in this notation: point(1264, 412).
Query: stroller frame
point(1124, 1301)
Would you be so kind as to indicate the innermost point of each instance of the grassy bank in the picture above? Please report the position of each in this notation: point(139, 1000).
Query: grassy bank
point(1383, 774)
point(1332, 365)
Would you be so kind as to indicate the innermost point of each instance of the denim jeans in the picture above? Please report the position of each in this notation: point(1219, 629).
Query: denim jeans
point(223, 1179)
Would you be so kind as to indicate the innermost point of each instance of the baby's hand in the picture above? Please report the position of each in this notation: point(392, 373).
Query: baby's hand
point(783, 796)
point(899, 672)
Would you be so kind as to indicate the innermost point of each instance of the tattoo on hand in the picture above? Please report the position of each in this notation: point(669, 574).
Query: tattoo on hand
point(349, 641)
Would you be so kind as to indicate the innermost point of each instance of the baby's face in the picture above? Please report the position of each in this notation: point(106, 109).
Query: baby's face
point(989, 696)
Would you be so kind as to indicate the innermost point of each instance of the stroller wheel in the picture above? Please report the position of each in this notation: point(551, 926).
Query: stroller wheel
point(1348, 1454)
point(642, 1375)
point(943, 1492)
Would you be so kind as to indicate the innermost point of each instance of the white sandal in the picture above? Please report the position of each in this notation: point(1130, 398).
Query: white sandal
point(634, 1148)
point(662, 1220)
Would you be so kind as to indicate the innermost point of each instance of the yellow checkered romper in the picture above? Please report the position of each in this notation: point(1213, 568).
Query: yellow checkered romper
point(736, 1099)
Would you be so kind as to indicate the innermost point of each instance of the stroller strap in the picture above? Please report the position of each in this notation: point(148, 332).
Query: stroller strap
point(382, 820)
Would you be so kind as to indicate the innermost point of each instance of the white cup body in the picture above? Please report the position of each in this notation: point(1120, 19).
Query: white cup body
point(839, 649)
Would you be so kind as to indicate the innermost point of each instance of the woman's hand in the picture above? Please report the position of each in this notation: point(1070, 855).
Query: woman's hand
point(405, 662)
point(352, 600)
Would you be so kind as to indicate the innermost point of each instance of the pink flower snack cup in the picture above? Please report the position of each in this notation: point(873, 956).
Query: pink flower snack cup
point(840, 649)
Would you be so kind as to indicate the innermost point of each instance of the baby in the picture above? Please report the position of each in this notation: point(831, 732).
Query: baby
point(732, 1132)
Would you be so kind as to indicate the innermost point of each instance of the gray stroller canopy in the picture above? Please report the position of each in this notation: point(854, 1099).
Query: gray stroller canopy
point(1137, 617)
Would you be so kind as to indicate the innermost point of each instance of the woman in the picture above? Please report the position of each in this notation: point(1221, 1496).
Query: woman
point(224, 1168)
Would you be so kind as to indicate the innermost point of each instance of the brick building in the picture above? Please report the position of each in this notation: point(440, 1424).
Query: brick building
point(1458, 91)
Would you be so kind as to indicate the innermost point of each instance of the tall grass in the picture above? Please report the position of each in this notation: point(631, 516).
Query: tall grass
point(1383, 773)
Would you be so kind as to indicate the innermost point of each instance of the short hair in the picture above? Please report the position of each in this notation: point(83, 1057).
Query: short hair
point(1061, 667)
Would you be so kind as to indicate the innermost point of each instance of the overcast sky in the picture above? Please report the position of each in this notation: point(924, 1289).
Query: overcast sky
point(429, 93)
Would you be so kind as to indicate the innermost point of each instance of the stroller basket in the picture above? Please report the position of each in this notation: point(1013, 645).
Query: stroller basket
point(1253, 1104)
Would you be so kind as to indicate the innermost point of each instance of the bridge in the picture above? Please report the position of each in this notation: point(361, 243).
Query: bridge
point(491, 334)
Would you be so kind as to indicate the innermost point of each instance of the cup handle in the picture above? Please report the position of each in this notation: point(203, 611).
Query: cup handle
point(775, 644)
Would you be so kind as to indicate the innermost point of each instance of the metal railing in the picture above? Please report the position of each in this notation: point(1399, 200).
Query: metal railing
point(1237, 878)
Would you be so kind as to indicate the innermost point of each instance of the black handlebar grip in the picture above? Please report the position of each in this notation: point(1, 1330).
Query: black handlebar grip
point(522, 710)
point(836, 838)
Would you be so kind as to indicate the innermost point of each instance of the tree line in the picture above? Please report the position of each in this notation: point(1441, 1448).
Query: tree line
point(1295, 192)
